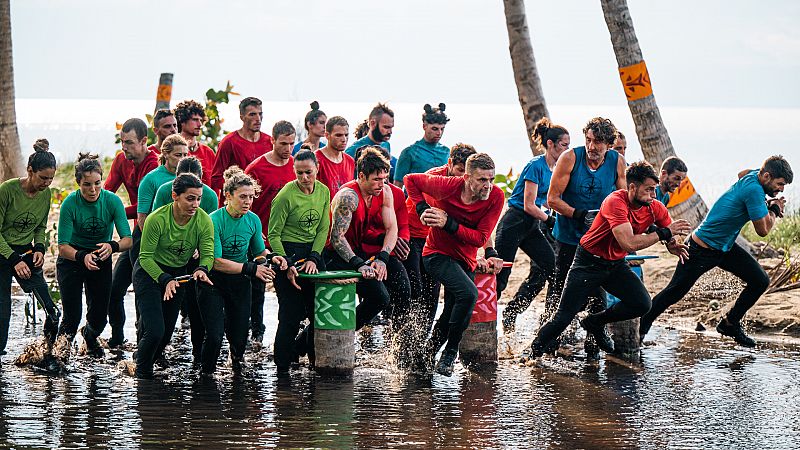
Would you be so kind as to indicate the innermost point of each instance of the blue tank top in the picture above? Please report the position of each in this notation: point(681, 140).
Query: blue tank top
point(586, 190)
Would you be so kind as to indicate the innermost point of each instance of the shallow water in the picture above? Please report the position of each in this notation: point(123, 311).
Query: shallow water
point(691, 390)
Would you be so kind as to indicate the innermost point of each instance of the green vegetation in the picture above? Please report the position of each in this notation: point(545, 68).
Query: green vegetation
point(785, 235)
point(506, 182)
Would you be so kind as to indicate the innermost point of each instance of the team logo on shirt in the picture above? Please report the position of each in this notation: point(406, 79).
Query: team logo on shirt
point(179, 248)
point(234, 245)
point(308, 220)
point(92, 226)
point(590, 186)
point(23, 222)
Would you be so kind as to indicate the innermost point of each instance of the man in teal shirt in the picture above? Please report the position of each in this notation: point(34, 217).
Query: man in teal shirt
point(673, 172)
point(427, 152)
point(380, 122)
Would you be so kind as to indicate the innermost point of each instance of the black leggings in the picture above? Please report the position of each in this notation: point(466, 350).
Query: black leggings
point(589, 272)
point(223, 307)
point(736, 261)
point(121, 279)
point(156, 317)
point(516, 230)
point(424, 288)
point(73, 277)
point(257, 295)
point(460, 295)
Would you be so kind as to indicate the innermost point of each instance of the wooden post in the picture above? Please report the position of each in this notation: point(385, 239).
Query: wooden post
point(164, 93)
point(626, 333)
point(479, 342)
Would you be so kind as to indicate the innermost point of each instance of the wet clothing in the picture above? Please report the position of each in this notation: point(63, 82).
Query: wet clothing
point(662, 196)
point(297, 146)
point(536, 171)
point(420, 157)
point(742, 203)
point(125, 172)
point(84, 224)
point(372, 240)
point(165, 243)
point(586, 190)
point(460, 296)
point(300, 218)
point(148, 188)
point(208, 202)
point(234, 150)
point(335, 175)
point(271, 178)
point(207, 159)
point(366, 140)
point(121, 279)
point(424, 287)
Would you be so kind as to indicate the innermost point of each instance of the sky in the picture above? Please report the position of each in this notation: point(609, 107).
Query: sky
point(732, 54)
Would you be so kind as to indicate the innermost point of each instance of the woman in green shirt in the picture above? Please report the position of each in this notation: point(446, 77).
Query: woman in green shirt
point(170, 237)
point(24, 207)
point(85, 243)
point(299, 223)
point(226, 304)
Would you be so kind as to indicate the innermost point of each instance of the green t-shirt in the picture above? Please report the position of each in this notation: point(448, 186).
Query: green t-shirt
point(84, 224)
point(148, 187)
point(23, 218)
point(167, 243)
point(208, 202)
point(299, 217)
point(236, 239)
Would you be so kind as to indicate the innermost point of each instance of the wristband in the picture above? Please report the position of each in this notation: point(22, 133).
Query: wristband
point(580, 214)
point(80, 257)
point(356, 262)
point(651, 229)
point(201, 269)
point(451, 226)
point(421, 207)
point(550, 222)
point(490, 252)
point(383, 256)
point(315, 256)
point(664, 234)
point(14, 258)
point(164, 279)
point(38, 248)
point(114, 246)
point(249, 268)
point(775, 209)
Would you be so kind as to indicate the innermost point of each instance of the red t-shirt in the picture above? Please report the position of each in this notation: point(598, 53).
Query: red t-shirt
point(335, 175)
point(417, 229)
point(123, 171)
point(615, 211)
point(207, 158)
point(236, 150)
point(373, 237)
point(476, 220)
point(359, 222)
point(154, 148)
point(271, 178)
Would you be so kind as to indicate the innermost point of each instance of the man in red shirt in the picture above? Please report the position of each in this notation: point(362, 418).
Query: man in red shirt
point(128, 168)
point(243, 146)
point(625, 215)
point(467, 210)
point(164, 125)
point(191, 116)
point(272, 171)
point(335, 166)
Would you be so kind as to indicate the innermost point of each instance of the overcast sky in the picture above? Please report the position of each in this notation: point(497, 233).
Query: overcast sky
point(699, 53)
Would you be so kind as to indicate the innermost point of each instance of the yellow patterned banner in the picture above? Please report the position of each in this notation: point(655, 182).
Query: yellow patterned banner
point(164, 93)
point(636, 81)
point(684, 191)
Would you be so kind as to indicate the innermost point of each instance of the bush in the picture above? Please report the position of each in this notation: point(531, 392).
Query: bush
point(785, 234)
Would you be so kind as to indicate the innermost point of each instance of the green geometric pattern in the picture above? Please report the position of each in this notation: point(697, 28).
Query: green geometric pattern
point(334, 306)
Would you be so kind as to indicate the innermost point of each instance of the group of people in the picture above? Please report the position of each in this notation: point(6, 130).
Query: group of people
point(211, 229)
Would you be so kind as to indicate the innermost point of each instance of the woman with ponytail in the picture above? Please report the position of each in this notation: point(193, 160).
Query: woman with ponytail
point(24, 208)
point(315, 127)
point(86, 225)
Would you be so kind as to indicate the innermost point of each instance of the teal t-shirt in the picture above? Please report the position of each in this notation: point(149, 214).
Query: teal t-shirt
point(149, 186)
point(235, 239)
point(662, 196)
point(22, 219)
point(167, 243)
point(85, 224)
point(208, 202)
point(367, 141)
point(742, 203)
point(420, 157)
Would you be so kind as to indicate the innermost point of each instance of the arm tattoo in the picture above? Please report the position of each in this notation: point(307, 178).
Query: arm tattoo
point(344, 205)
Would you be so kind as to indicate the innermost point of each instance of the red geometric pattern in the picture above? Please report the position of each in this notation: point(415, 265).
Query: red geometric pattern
point(486, 306)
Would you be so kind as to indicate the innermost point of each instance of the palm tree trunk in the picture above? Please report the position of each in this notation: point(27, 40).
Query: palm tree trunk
point(526, 76)
point(10, 156)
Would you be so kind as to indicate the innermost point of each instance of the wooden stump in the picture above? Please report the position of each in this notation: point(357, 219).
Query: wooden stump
point(335, 352)
point(479, 343)
point(626, 338)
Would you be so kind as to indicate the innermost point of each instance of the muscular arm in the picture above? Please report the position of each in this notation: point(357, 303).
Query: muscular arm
point(389, 221)
point(629, 242)
point(344, 205)
point(621, 167)
point(529, 201)
point(764, 225)
point(558, 183)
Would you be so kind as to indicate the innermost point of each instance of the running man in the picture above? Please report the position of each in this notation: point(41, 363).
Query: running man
point(191, 116)
point(467, 211)
point(713, 244)
point(379, 130)
point(243, 146)
point(164, 126)
point(314, 124)
point(525, 219)
point(427, 152)
point(335, 166)
point(673, 172)
point(600, 259)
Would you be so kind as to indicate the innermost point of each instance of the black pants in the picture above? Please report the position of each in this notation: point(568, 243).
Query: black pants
point(35, 283)
point(519, 230)
point(460, 295)
point(257, 294)
point(373, 293)
point(156, 317)
point(424, 288)
point(565, 255)
point(121, 279)
point(293, 307)
point(736, 261)
point(73, 277)
point(223, 307)
point(589, 272)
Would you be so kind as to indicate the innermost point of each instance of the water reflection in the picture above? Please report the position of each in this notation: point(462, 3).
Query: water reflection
point(689, 391)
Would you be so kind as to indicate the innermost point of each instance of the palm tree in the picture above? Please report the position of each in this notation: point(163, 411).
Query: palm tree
point(10, 156)
point(526, 75)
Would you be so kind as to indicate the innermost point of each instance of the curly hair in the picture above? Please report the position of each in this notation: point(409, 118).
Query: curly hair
point(186, 109)
point(434, 115)
point(87, 162)
point(603, 130)
point(460, 152)
point(236, 178)
point(640, 171)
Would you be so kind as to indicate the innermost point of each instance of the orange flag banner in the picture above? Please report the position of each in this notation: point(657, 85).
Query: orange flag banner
point(684, 191)
point(636, 81)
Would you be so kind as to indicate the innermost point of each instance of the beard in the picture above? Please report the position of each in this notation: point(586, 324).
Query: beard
point(379, 137)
